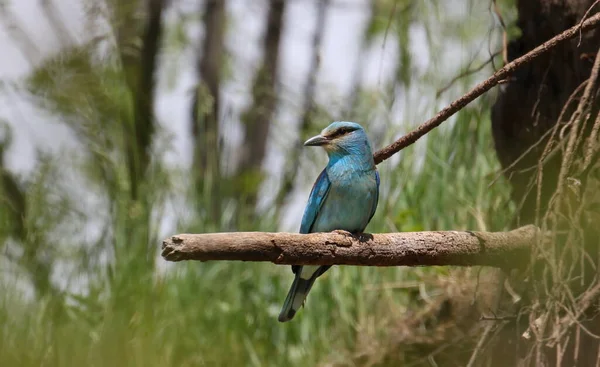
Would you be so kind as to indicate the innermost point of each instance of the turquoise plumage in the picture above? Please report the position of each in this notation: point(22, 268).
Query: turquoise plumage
point(344, 197)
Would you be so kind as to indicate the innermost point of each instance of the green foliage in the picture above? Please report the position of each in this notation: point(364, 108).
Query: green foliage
point(226, 313)
point(465, 166)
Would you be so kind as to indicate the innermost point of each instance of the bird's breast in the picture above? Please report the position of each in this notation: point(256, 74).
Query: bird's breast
point(349, 203)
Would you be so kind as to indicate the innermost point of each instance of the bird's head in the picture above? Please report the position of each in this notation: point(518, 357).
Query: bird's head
point(342, 138)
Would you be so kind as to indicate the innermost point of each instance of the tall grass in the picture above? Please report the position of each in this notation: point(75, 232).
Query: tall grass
point(118, 306)
point(225, 313)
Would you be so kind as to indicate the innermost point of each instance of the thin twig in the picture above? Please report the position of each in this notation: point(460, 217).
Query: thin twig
point(592, 143)
point(497, 318)
point(385, 36)
point(479, 347)
point(514, 163)
point(577, 119)
point(583, 18)
point(581, 307)
point(545, 156)
point(466, 73)
point(496, 10)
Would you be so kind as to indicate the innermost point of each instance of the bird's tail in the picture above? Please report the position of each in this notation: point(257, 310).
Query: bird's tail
point(296, 296)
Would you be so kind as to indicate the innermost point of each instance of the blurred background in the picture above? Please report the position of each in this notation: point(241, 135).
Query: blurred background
point(124, 122)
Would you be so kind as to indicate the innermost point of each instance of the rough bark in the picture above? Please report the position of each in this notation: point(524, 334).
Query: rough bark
point(464, 248)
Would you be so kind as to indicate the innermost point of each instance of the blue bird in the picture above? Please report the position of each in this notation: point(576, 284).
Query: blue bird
point(344, 197)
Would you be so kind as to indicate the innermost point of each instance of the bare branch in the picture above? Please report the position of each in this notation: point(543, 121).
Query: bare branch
point(583, 18)
point(461, 248)
point(497, 78)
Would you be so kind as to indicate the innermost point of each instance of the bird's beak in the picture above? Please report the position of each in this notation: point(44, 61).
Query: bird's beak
point(316, 140)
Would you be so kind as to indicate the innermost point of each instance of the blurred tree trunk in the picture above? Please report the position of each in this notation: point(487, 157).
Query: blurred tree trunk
point(137, 26)
point(206, 109)
point(139, 66)
point(144, 91)
point(293, 159)
point(257, 118)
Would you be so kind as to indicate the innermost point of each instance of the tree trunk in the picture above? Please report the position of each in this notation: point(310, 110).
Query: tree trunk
point(206, 108)
point(293, 161)
point(138, 67)
point(257, 119)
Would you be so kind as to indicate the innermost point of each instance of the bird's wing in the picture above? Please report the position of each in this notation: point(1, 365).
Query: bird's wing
point(374, 205)
point(317, 197)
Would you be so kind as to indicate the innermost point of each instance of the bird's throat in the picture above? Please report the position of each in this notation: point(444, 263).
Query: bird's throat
point(350, 163)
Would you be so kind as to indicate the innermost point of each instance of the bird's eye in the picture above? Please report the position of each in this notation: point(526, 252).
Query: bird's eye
point(341, 131)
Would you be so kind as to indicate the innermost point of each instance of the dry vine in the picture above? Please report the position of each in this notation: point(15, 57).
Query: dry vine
point(573, 285)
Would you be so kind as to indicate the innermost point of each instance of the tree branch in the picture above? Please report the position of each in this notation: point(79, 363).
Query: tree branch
point(462, 248)
point(481, 88)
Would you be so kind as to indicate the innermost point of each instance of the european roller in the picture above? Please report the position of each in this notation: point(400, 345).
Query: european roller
point(344, 197)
